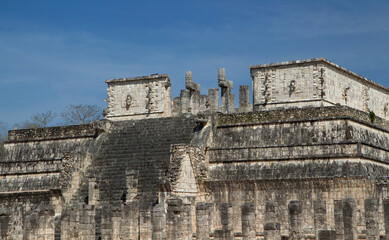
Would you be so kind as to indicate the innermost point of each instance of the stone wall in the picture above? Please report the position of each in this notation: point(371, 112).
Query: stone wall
point(315, 82)
point(139, 97)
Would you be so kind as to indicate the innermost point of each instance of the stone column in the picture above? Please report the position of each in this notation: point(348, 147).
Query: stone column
point(386, 217)
point(185, 98)
point(371, 217)
point(228, 99)
point(129, 228)
point(145, 225)
point(327, 235)
point(87, 222)
point(248, 221)
point(176, 109)
point(320, 214)
point(226, 216)
point(295, 219)
point(158, 220)
point(349, 218)
point(202, 221)
point(204, 103)
point(213, 94)
point(338, 216)
point(177, 221)
point(194, 90)
point(106, 223)
point(244, 98)
point(272, 231)
point(187, 232)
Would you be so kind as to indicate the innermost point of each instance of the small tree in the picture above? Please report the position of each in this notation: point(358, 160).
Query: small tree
point(81, 114)
point(38, 120)
point(43, 119)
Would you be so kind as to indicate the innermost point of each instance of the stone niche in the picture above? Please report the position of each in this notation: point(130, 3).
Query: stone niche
point(139, 97)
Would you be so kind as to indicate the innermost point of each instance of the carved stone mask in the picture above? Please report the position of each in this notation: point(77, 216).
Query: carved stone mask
point(128, 101)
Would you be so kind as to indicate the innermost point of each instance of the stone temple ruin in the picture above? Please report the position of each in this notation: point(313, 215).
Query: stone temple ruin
point(306, 159)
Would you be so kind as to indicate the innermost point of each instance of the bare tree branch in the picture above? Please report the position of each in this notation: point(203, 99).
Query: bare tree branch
point(81, 114)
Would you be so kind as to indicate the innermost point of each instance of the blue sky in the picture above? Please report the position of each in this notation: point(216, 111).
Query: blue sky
point(56, 53)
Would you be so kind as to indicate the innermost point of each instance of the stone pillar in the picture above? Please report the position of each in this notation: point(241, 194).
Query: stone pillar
point(327, 235)
point(244, 98)
point(45, 218)
point(213, 94)
point(194, 90)
point(92, 191)
point(187, 229)
point(185, 98)
point(272, 231)
point(295, 219)
point(338, 216)
point(248, 221)
point(178, 221)
point(226, 220)
point(320, 214)
point(271, 211)
point(106, 223)
point(176, 109)
point(130, 221)
point(371, 217)
point(349, 218)
point(202, 221)
point(204, 103)
point(158, 220)
point(228, 99)
point(145, 225)
point(116, 220)
point(87, 222)
point(386, 217)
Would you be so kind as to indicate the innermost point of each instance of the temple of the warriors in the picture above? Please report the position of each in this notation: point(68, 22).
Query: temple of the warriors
point(306, 158)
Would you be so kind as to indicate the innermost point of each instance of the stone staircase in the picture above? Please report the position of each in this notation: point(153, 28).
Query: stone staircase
point(139, 149)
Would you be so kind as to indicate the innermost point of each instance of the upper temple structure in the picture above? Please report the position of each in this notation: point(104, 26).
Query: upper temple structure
point(307, 158)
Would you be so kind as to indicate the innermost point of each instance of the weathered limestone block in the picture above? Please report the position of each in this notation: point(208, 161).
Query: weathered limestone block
point(178, 221)
point(295, 221)
point(203, 220)
point(371, 217)
point(244, 98)
point(158, 216)
point(313, 83)
point(320, 212)
point(226, 213)
point(129, 229)
point(349, 218)
point(386, 216)
point(223, 235)
point(248, 221)
point(228, 99)
point(139, 97)
point(4, 222)
point(213, 94)
point(145, 224)
point(185, 101)
point(194, 92)
point(176, 107)
point(271, 211)
point(327, 235)
point(272, 231)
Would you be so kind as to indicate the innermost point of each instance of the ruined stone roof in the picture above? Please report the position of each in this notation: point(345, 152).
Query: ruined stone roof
point(147, 77)
point(318, 60)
